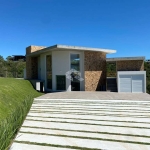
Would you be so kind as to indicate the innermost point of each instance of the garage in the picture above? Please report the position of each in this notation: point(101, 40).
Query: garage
point(131, 81)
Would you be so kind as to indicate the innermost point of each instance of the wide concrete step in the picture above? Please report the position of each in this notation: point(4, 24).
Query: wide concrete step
point(22, 146)
point(87, 127)
point(84, 135)
point(94, 122)
point(80, 143)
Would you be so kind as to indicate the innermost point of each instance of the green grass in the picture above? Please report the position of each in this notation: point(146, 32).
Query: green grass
point(16, 98)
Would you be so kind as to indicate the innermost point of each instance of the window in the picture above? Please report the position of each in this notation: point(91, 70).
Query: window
point(75, 75)
point(60, 82)
point(49, 71)
point(75, 61)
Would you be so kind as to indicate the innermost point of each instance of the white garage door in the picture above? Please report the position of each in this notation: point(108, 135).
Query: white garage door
point(125, 83)
point(137, 83)
point(132, 83)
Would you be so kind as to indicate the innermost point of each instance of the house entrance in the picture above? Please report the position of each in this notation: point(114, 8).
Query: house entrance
point(75, 85)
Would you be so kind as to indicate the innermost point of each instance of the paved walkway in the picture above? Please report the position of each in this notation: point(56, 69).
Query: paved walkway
point(90, 120)
point(96, 96)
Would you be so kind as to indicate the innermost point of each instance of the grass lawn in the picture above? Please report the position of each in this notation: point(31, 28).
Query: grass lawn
point(16, 97)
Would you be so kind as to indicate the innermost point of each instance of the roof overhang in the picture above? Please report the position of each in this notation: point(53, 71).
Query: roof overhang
point(71, 48)
point(125, 59)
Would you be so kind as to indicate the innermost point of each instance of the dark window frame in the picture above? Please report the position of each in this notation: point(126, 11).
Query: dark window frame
point(49, 73)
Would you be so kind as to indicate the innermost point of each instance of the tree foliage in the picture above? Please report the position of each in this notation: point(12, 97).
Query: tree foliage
point(111, 69)
point(1, 58)
point(9, 68)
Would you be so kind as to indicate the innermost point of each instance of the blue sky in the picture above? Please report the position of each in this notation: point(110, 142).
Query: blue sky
point(123, 25)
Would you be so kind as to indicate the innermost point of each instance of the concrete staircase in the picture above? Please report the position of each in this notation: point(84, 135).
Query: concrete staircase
point(111, 84)
point(69, 124)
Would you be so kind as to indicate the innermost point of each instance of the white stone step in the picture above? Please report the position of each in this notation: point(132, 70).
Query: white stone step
point(21, 146)
point(90, 122)
point(80, 142)
point(111, 118)
point(92, 112)
point(85, 127)
point(93, 107)
point(90, 100)
point(87, 135)
point(90, 108)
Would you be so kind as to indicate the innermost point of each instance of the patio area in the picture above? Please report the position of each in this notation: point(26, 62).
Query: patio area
point(96, 95)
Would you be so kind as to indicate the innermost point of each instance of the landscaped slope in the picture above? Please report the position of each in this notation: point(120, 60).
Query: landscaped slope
point(16, 97)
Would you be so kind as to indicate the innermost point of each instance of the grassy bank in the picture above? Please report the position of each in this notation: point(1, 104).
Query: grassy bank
point(16, 97)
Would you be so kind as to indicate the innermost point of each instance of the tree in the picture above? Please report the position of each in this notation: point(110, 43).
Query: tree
point(2, 66)
point(9, 58)
point(1, 58)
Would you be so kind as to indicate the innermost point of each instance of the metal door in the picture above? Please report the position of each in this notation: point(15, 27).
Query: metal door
point(125, 83)
point(137, 83)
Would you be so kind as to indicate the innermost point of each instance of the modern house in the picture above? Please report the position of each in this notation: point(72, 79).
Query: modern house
point(72, 68)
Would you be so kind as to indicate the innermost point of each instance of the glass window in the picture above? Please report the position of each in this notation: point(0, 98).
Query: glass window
point(75, 62)
point(49, 71)
point(75, 75)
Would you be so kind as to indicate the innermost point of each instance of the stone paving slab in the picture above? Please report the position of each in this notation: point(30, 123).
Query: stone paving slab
point(85, 127)
point(89, 112)
point(92, 117)
point(21, 146)
point(131, 124)
point(86, 123)
point(84, 143)
point(85, 134)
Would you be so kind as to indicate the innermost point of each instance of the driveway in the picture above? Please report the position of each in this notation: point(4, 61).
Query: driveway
point(86, 120)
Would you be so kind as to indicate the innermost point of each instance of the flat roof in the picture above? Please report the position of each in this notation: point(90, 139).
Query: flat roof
point(19, 55)
point(124, 58)
point(67, 47)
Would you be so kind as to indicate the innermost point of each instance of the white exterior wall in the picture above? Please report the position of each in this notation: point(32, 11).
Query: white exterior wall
point(60, 65)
